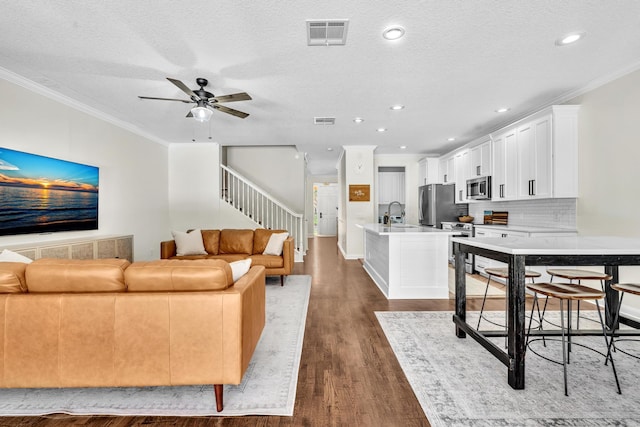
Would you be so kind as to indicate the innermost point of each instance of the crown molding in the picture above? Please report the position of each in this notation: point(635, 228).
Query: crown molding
point(25, 83)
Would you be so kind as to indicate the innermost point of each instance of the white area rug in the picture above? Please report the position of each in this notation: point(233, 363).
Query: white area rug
point(475, 287)
point(268, 386)
point(458, 383)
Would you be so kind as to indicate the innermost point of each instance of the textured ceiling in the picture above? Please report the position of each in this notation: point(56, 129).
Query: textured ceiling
point(458, 62)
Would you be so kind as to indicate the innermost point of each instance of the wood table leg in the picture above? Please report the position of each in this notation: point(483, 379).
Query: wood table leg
point(461, 288)
point(516, 332)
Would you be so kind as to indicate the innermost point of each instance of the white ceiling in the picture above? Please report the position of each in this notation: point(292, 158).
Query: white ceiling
point(458, 62)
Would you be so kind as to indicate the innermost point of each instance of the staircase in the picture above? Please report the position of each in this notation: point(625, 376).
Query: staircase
point(260, 207)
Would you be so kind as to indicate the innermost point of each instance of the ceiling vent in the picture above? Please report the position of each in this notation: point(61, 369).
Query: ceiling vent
point(324, 120)
point(327, 32)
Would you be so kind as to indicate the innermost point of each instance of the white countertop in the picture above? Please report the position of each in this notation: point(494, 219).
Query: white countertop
point(406, 229)
point(525, 228)
point(570, 245)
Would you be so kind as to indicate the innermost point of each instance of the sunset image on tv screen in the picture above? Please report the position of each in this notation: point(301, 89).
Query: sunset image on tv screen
point(40, 194)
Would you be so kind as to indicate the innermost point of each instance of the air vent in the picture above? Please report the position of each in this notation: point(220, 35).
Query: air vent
point(324, 120)
point(327, 32)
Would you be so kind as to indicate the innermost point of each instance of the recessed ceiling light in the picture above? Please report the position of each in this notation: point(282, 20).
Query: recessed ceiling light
point(569, 38)
point(329, 149)
point(397, 107)
point(403, 147)
point(451, 139)
point(393, 33)
point(502, 110)
point(358, 120)
point(381, 129)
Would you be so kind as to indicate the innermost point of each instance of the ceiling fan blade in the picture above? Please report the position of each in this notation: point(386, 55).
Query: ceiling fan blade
point(242, 96)
point(166, 99)
point(230, 111)
point(190, 114)
point(184, 88)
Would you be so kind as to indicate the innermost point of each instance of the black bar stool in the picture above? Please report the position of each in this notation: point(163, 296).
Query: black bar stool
point(503, 273)
point(623, 288)
point(579, 276)
point(571, 292)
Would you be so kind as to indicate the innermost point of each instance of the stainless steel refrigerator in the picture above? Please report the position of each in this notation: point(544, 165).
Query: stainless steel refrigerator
point(437, 204)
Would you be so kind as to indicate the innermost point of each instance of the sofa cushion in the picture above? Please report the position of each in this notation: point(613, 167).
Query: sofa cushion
point(228, 257)
point(10, 256)
point(211, 240)
point(189, 243)
point(12, 278)
point(274, 246)
point(268, 261)
point(178, 275)
point(76, 275)
point(261, 238)
point(236, 242)
point(240, 268)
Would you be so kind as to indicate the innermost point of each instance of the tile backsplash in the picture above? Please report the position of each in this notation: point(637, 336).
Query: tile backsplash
point(553, 213)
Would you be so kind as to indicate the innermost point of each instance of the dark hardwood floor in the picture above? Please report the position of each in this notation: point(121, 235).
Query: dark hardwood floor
point(348, 376)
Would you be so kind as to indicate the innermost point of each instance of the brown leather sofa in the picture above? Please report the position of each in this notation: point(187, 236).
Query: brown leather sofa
point(109, 323)
point(237, 244)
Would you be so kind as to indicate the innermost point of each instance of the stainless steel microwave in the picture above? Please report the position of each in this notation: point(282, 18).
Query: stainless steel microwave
point(479, 188)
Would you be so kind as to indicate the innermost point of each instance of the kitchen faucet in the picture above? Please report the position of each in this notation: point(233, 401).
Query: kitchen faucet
point(401, 210)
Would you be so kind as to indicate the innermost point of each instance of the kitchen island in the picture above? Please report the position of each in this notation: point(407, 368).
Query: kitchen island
point(407, 261)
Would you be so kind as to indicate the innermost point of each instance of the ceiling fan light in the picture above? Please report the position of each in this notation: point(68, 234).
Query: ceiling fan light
point(201, 114)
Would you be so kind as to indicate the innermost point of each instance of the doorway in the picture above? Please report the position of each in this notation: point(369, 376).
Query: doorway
point(325, 209)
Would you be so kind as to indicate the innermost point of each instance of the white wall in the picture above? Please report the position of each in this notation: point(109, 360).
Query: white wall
point(278, 170)
point(609, 164)
point(358, 170)
point(133, 169)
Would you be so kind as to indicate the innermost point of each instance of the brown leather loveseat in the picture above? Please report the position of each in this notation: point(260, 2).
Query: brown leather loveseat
point(237, 244)
point(109, 323)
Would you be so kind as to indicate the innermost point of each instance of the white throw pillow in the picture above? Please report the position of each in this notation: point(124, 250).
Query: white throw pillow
point(240, 268)
point(274, 245)
point(10, 256)
point(189, 243)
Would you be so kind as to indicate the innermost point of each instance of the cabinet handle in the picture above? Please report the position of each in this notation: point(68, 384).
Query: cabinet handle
point(504, 235)
point(460, 195)
point(501, 191)
point(478, 170)
point(445, 177)
point(533, 187)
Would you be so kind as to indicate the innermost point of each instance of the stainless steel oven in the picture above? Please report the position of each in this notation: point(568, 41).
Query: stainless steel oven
point(464, 229)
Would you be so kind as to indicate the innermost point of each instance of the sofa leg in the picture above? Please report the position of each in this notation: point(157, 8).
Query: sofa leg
point(218, 388)
point(282, 280)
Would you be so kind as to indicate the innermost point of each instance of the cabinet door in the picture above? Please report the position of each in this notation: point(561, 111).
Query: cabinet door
point(448, 170)
point(498, 177)
point(423, 172)
point(505, 162)
point(481, 160)
point(462, 173)
point(534, 159)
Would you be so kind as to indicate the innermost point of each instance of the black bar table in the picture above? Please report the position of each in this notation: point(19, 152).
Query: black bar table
point(519, 252)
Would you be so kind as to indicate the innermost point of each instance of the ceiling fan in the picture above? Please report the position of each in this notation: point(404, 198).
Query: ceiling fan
point(205, 101)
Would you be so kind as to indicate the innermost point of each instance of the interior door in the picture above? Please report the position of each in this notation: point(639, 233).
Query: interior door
point(327, 209)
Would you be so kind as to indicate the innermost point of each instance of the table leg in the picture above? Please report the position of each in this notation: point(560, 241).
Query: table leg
point(516, 332)
point(612, 297)
point(461, 288)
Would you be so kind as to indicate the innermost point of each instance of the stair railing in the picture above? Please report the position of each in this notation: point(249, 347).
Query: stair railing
point(263, 209)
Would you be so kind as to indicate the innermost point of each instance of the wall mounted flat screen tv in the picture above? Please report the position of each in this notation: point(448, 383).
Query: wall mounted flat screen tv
point(42, 195)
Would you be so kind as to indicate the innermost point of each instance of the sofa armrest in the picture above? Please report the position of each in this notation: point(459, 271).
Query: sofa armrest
point(167, 249)
point(288, 254)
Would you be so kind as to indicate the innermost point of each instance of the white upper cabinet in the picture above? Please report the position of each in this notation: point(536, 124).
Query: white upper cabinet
point(505, 162)
point(429, 171)
point(391, 187)
point(448, 169)
point(481, 159)
point(461, 165)
point(538, 156)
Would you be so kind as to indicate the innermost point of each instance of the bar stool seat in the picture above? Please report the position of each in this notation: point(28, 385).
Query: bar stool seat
point(503, 273)
point(579, 275)
point(623, 288)
point(571, 292)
